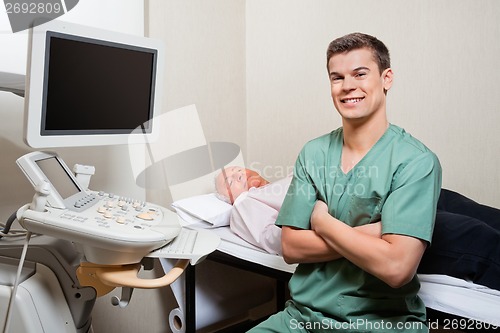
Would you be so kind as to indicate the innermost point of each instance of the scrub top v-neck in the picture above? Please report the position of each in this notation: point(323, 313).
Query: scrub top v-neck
point(350, 186)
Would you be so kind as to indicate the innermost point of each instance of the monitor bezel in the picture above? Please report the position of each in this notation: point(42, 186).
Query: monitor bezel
point(34, 134)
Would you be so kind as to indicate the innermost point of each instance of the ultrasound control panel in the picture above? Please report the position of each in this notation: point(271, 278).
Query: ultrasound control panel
point(109, 229)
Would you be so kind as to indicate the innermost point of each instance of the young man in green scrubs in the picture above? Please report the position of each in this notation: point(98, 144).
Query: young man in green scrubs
point(358, 279)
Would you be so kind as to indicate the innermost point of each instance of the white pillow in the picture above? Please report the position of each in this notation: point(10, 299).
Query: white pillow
point(206, 207)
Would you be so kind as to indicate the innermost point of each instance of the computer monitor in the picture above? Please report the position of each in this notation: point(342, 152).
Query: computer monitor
point(86, 86)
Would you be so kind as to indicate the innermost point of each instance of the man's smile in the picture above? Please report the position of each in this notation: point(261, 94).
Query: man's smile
point(352, 100)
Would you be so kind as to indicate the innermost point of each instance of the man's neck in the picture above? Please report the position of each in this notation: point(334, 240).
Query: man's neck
point(360, 136)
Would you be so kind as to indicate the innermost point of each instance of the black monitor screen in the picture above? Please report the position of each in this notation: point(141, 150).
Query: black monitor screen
point(96, 87)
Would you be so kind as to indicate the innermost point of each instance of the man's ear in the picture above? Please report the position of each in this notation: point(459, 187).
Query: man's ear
point(387, 77)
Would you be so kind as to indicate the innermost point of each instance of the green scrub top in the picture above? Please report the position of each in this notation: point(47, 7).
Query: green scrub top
point(398, 182)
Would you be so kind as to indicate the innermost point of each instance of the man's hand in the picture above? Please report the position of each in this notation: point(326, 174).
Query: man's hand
point(320, 208)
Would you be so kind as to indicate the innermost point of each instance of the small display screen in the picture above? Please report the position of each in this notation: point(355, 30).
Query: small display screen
point(96, 87)
point(58, 176)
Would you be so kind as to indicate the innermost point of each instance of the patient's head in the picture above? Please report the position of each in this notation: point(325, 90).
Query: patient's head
point(234, 180)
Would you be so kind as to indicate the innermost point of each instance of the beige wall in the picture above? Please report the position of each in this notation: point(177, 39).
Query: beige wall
point(256, 71)
point(444, 55)
point(205, 62)
point(257, 75)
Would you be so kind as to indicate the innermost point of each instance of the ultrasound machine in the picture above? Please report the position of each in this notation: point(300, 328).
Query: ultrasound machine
point(86, 87)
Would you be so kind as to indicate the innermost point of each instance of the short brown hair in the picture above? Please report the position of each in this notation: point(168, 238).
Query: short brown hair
point(359, 40)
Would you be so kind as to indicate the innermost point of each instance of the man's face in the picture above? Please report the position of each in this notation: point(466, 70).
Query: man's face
point(235, 180)
point(357, 87)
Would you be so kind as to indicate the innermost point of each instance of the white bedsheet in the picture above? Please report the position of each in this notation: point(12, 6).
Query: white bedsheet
point(461, 298)
point(237, 247)
point(440, 292)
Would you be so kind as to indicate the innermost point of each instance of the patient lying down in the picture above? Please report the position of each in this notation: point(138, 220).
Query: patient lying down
point(465, 244)
point(256, 203)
